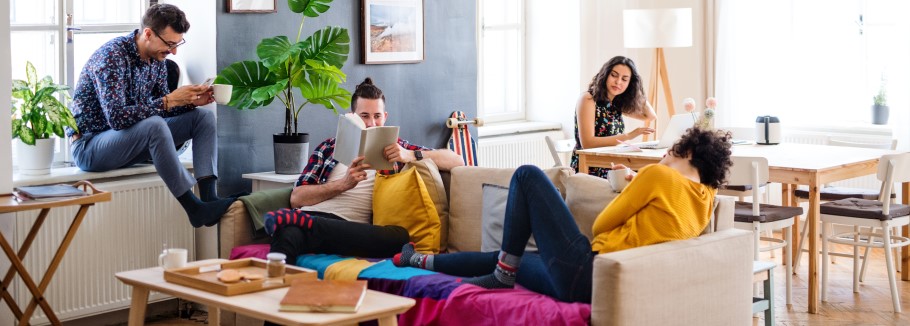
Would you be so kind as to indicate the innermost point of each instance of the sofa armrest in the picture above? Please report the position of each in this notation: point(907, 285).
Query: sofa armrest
point(236, 229)
point(702, 281)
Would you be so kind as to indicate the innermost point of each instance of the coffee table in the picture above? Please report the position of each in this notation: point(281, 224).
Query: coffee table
point(261, 305)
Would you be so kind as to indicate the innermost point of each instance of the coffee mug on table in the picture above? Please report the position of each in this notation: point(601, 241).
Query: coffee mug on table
point(172, 258)
point(222, 93)
point(617, 178)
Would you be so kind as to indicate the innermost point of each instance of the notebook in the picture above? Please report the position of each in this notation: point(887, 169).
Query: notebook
point(675, 129)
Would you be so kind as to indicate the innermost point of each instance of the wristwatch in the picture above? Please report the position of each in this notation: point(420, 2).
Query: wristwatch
point(418, 155)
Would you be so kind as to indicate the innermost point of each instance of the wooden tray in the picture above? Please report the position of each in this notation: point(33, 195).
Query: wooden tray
point(204, 277)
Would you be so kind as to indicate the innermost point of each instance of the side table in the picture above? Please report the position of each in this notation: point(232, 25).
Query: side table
point(9, 204)
point(271, 180)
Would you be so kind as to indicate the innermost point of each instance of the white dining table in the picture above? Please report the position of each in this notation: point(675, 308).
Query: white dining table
point(790, 165)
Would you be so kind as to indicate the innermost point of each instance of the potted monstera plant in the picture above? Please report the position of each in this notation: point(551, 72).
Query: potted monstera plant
point(37, 114)
point(310, 67)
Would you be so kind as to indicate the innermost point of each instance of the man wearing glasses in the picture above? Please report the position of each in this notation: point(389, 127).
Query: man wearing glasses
point(126, 115)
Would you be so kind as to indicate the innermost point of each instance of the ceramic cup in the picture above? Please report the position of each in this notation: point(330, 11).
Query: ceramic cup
point(172, 258)
point(617, 178)
point(222, 93)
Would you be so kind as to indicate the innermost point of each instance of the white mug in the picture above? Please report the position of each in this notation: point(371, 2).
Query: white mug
point(617, 178)
point(172, 258)
point(222, 93)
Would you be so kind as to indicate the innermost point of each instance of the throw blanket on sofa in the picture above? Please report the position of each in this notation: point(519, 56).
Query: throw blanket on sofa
point(441, 299)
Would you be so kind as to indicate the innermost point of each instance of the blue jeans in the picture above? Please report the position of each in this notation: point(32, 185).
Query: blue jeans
point(562, 268)
point(154, 138)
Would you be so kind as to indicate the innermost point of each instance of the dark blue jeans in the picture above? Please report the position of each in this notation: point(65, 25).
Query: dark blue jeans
point(562, 268)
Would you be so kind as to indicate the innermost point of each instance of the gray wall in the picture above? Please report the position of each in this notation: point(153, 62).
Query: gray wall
point(418, 96)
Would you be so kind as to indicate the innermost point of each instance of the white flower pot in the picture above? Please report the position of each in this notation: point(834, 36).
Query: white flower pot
point(35, 160)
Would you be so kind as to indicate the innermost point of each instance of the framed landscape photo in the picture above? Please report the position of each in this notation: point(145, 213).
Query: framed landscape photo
point(392, 31)
point(252, 6)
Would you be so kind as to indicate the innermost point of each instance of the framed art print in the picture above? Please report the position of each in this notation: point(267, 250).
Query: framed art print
point(252, 6)
point(392, 31)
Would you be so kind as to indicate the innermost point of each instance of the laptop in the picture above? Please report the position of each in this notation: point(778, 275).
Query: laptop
point(675, 129)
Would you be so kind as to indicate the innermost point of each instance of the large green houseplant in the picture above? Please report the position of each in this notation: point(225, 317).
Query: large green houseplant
point(38, 114)
point(311, 67)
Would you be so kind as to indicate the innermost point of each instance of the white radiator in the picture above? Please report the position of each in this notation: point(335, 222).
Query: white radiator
point(511, 151)
point(124, 234)
point(821, 135)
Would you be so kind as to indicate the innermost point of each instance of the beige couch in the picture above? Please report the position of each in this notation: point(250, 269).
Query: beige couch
point(701, 281)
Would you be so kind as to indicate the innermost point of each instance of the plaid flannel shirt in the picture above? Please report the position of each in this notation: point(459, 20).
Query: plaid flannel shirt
point(322, 162)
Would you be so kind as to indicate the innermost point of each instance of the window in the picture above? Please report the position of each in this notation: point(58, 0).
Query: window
point(501, 47)
point(58, 36)
point(784, 58)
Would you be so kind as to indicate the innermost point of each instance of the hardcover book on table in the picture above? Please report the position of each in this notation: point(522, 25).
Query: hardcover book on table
point(52, 191)
point(324, 296)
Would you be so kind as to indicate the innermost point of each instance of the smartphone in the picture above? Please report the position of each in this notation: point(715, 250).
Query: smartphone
point(209, 82)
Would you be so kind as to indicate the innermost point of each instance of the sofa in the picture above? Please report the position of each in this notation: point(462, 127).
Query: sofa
point(706, 280)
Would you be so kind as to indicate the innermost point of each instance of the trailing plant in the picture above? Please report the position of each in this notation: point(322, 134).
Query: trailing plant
point(312, 67)
point(37, 112)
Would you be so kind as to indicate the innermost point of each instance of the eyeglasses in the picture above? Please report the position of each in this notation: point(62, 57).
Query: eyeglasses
point(170, 45)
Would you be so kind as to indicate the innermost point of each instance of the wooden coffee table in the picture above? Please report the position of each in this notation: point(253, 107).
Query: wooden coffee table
point(261, 305)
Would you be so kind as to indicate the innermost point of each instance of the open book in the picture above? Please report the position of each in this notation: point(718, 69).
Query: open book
point(324, 296)
point(354, 139)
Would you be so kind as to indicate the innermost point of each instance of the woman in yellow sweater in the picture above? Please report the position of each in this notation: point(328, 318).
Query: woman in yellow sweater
point(671, 200)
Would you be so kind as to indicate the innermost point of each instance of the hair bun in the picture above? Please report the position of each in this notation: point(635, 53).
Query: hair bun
point(367, 81)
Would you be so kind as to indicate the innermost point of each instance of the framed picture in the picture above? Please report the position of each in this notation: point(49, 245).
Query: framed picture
point(252, 6)
point(392, 31)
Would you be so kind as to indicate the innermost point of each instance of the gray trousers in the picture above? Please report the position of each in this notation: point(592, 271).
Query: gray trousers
point(154, 138)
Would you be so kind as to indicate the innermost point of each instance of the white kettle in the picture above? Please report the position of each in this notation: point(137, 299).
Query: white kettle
point(767, 130)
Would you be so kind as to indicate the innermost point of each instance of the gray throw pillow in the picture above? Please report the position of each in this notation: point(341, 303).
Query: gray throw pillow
point(493, 216)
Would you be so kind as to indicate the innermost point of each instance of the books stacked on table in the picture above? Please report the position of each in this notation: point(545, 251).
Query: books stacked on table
point(324, 296)
point(48, 193)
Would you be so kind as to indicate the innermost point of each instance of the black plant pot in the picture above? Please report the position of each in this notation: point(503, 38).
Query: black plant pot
point(291, 151)
point(880, 114)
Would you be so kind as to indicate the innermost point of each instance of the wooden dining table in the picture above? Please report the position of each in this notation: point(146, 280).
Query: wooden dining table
point(790, 165)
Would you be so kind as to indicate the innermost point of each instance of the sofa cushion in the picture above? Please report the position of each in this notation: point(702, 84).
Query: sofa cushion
point(587, 196)
point(402, 199)
point(466, 201)
point(494, 212)
point(432, 179)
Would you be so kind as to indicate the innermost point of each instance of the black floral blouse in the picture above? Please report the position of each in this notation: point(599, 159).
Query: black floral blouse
point(607, 122)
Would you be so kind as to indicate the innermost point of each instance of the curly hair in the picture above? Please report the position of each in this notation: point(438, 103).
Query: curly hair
point(366, 90)
point(630, 101)
point(709, 153)
point(160, 16)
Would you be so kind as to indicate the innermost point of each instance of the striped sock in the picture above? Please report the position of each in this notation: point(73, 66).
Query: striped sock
point(286, 216)
point(411, 258)
point(502, 278)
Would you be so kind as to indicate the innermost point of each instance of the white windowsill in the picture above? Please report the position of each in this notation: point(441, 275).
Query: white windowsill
point(73, 174)
point(516, 127)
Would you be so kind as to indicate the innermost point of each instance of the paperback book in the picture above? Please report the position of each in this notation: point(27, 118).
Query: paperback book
point(324, 296)
point(354, 139)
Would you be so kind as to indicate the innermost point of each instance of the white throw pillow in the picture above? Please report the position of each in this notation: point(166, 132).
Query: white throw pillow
point(495, 198)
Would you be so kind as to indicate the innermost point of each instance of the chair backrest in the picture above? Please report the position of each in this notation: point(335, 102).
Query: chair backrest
point(845, 143)
point(749, 170)
point(892, 168)
point(551, 145)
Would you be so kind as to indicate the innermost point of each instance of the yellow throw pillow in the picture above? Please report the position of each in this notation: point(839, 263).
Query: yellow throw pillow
point(402, 199)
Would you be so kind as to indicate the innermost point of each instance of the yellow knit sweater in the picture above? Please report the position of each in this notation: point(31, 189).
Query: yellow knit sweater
point(659, 205)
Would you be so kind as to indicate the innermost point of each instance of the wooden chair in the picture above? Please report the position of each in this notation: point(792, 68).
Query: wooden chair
point(554, 151)
point(881, 214)
point(761, 217)
point(836, 193)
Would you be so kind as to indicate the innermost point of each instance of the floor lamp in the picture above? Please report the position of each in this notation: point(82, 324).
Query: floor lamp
point(658, 29)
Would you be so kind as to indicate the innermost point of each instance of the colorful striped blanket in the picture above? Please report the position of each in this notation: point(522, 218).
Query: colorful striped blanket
point(441, 299)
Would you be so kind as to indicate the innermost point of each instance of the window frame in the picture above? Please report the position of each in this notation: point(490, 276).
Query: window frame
point(521, 113)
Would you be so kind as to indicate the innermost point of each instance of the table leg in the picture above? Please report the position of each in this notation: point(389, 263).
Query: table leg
point(52, 268)
point(582, 163)
point(23, 274)
point(23, 249)
point(214, 316)
point(138, 305)
point(388, 320)
point(905, 251)
point(812, 219)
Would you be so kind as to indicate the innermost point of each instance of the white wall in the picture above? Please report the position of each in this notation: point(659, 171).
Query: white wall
point(602, 39)
point(198, 59)
point(553, 55)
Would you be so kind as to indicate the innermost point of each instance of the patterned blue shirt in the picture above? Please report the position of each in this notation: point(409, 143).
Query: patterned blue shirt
point(117, 89)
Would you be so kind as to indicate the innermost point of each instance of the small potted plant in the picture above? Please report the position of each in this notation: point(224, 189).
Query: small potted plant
point(880, 108)
point(38, 114)
point(310, 67)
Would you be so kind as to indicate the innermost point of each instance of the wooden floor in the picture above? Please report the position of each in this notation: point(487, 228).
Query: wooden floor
point(871, 306)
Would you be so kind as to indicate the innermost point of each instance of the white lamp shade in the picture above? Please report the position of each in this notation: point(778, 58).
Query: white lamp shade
point(657, 28)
